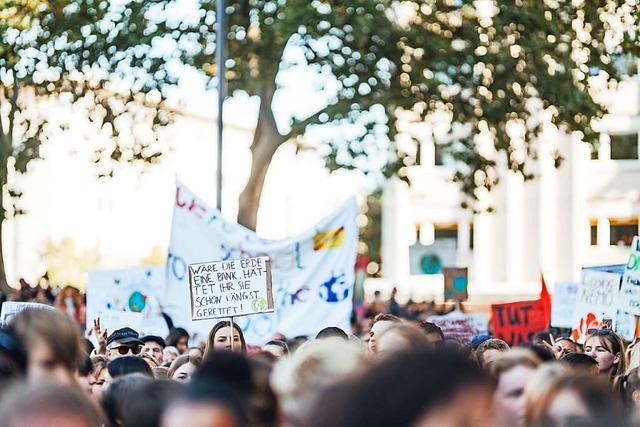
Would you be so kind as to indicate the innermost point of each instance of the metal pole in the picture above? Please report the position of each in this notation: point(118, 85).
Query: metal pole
point(221, 38)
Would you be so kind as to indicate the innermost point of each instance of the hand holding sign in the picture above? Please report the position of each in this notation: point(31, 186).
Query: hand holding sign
point(230, 288)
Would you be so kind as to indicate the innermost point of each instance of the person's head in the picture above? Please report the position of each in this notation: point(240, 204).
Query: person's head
point(118, 393)
point(489, 351)
point(123, 342)
point(13, 357)
point(153, 345)
point(631, 388)
point(148, 401)
point(381, 323)
point(331, 332)
point(220, 338)
point(278, 348)
point(435, 386)
point(513, 371)
point(84, 374)
point(577, 400)
point(539, 385)
point(128, 365)
point(48, 405)
point(582, 363)
point(53, 343)
point(402, 337)
point(543, 353)
point(565, 345)
point(300, 378)
point(195, 352)
point(433, 332)
point(178, 338)
point(183, 368)
point(608, 349)
point(206, 404)
point(169, 354)
point(101, 377)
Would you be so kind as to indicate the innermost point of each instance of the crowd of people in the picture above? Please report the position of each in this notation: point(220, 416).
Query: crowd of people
point(400, 373)
point(393, 368)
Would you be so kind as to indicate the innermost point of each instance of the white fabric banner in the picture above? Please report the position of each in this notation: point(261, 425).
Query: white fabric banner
point(131, 290)
point(11, 308)
point(313, 273)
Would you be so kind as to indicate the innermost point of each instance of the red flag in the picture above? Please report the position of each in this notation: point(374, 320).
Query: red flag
point(545, 299)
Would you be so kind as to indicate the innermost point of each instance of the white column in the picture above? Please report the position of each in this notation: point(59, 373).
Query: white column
point(395, 231)
point(482, 250)
point(464, 242)
point(547, 209)
point(514, 228)
point(604, 233)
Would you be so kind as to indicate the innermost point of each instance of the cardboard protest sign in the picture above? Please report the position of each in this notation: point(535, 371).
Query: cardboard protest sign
point(598, 293)
point(461, 326)
point(455, 283)
point(112, 320)
point(517, 322)
point(230, 288)
point(565, 298)
point(11, 308)
point(313, 273)
point(630, 291)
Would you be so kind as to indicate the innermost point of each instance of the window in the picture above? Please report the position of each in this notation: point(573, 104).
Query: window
point(622, 231)
point(594, 235)
point(624, 147)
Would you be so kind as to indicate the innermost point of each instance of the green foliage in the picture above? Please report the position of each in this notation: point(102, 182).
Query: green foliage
point(66, 265)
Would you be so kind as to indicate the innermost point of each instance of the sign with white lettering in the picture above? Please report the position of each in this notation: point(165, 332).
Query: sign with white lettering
point(230, 288)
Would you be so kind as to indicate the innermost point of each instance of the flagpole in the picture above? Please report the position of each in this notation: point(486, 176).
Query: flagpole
point(221, 37)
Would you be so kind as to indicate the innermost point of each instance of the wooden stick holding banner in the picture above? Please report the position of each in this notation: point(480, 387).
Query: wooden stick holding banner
point(231, 288)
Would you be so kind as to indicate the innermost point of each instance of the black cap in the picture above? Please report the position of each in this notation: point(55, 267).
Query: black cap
point(154, 338)
point(124, 336)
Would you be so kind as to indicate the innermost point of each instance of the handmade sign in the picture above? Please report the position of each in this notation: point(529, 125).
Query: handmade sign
point(230, 288)
point(461, 326)
point(597, 298)
point(455, 284)
point(131, 290)
point(630, 290)
point(565, 298)
point(112, 320)
point(312, 273)
point(517, 322)
point(11, 308)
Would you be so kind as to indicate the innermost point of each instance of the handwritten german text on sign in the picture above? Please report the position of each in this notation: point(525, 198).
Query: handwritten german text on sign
point(517, 322)
point(230, 288)
point(598, 293)
point(630, 291)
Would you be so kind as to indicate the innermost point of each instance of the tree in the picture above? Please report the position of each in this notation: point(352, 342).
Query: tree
point(66, 265)
point(105, 60)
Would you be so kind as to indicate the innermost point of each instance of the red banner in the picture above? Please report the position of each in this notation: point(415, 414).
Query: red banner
point(517, 322)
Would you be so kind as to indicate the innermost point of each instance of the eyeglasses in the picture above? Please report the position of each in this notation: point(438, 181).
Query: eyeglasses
point(599, 331)
point(122, 350)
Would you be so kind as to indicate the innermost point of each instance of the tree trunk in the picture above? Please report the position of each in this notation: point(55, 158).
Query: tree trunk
point(266, 141)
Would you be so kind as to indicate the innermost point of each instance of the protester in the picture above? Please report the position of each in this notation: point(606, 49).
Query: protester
point(381, 323)
point(513, 371)
point(195, 352)
point(577, 400)
point(608, 349)
point(489, 351)
point(101, 377)
point(582, 363)
point(278, 348)
point(422, 388)
point(40, 405)
point(71, 302)
point(540, 385)
point(402, 337)
point(433, 332)
point(178, 338)
point(632, 388)
point(53, 344)
point(153, 345)
point(121, 391)
point(13, 359)
point(169, 354)
point(123, 342)
point(220, 338)
point(84, 373)
point(299, 379)
point(128, 365)
point(183, 368)
point(331, 332)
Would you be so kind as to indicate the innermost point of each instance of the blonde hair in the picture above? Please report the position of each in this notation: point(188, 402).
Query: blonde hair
point(538, 386)
point(300, 378)
point(514, 358)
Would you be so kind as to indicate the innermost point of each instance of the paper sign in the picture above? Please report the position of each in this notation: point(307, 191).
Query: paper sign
point(597, 298)
point(455, 284)
point(112, 320)
point(11, 308)
point(230, 288)
point(463, 327)
point(517, 322)
point(630, 291)
point(564, 300)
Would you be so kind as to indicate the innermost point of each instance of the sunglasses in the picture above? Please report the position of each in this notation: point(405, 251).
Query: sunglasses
point(599, 331)
point(122, 350)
